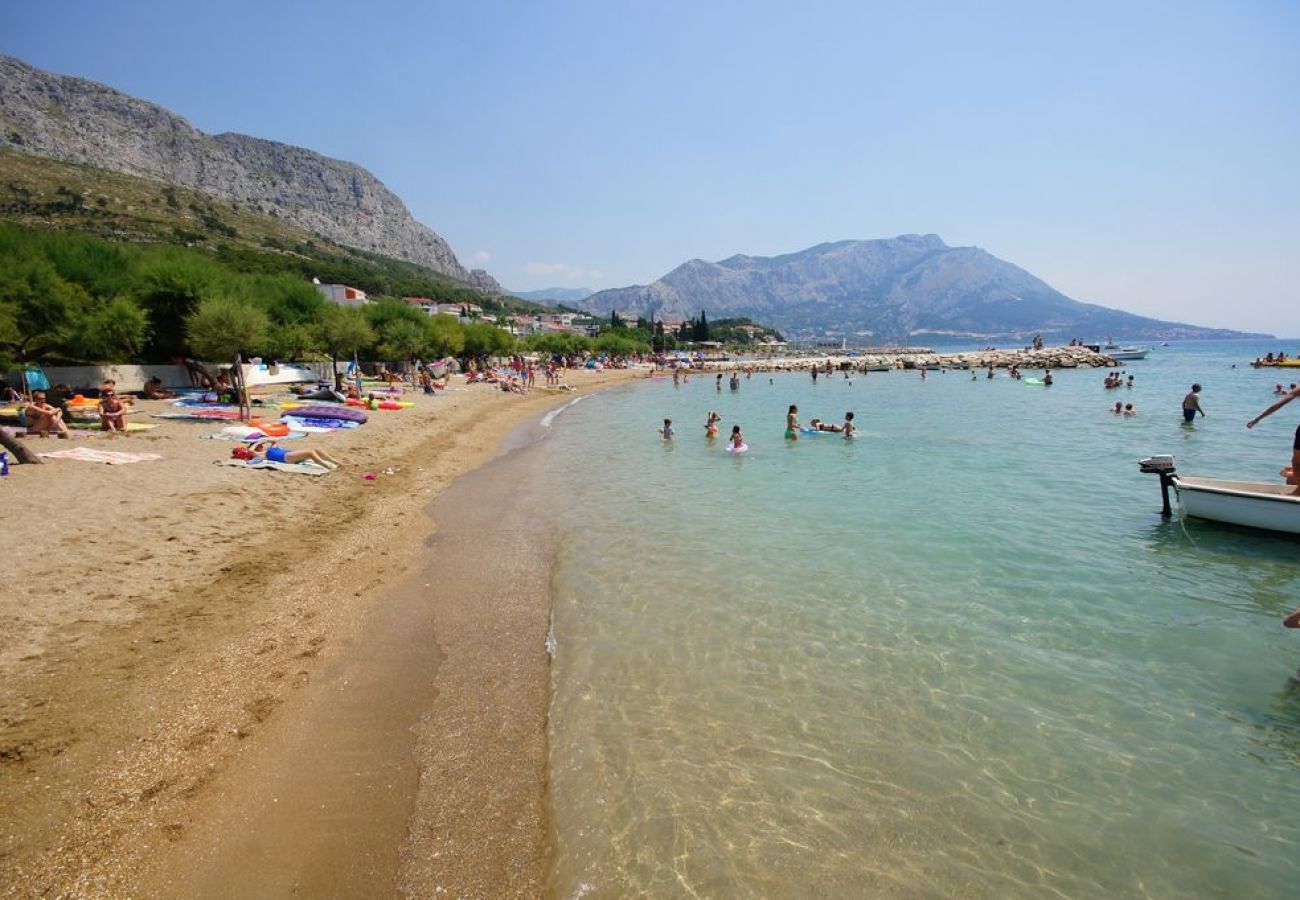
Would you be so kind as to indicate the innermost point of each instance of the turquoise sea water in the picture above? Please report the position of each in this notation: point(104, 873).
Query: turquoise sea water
point(962, 655)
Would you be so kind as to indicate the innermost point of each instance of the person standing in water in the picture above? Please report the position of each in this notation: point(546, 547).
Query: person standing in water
point(737, 439)
point(1291, 474)
point(792, 423)
point(1192, 406)
point(667, 431)
point(849, 428)
point(711, 425)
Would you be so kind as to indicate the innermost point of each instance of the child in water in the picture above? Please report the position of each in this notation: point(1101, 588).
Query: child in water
point(849, 428)
point(792, 423)
point(667, 430)
point(711, 424)
point(737, 439)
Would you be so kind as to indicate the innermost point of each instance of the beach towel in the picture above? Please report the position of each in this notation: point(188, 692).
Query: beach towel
point(248, 435)
point(108, 457)
point(304, 468)
point(317, 426)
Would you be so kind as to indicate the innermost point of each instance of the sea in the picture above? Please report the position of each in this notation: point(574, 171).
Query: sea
point(960, 656)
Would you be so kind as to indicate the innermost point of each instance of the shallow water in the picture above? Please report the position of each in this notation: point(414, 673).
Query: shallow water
point(961, 655)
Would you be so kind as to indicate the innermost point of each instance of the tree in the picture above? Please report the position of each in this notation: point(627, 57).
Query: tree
point(486, 340)
point(403, 340)
point(42, 308)
point(118, 327)
point(285, 341)
point(342, 332)
point(171, 285)
point(615, 345)
point(222, 326)
point(615, 320)
point(700, 328)
point(445, 336)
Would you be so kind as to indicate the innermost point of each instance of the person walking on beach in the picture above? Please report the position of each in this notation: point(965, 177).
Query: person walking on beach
point(1291, 473)
point(1192, 405)
point(792, 423)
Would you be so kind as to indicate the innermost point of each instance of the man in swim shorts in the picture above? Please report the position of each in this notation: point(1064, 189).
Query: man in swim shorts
point(1192, 405)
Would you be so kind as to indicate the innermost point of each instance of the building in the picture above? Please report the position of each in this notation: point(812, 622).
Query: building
point(423, 304)
point(343, 295)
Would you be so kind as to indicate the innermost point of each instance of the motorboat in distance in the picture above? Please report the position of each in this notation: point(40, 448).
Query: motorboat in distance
point(1252, 504)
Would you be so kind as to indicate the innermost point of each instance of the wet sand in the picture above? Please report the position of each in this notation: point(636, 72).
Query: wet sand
point(214, 646)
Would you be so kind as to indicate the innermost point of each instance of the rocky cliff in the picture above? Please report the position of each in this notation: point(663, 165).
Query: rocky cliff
point(75, 120)
point(892, 290)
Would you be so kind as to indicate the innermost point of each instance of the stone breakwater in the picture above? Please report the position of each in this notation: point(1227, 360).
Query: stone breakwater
point(1029, 360)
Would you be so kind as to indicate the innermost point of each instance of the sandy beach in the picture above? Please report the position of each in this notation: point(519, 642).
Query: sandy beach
point(222, 682)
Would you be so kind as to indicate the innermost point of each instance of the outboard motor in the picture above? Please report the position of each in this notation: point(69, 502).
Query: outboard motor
point(1162, 465)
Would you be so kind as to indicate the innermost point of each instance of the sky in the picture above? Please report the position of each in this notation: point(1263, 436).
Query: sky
point(1144, 156)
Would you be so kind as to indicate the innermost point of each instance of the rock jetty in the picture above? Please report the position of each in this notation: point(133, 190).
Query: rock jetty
point(1029, 360)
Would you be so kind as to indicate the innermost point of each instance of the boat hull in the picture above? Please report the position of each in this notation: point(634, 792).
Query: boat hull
point(1252, 504)
point(1127, 354)
point(257, 375)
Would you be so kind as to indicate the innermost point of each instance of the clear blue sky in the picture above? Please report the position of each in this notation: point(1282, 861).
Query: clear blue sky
point(1141, 155)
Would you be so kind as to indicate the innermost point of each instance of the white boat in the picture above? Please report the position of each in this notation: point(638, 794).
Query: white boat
point(1253, 504)
point(261, 374)
point(1128, 352)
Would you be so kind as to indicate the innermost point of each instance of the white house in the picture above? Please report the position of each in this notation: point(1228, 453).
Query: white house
point(343, 295)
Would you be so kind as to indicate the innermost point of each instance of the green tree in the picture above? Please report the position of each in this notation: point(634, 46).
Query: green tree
point(222, 326)
point(700, 328)
point(117, 328)
point(43, 308)
point(445, 336)
point(486, 340)
point(615, 344)
point(293, 340)
point(343, 332)
point(403, 340)
point(171, 285)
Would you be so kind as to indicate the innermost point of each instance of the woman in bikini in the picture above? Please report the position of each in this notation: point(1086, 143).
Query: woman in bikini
point(268, 451)
point(112, 414)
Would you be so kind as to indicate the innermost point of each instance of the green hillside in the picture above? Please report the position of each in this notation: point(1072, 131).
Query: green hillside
point(47, 194)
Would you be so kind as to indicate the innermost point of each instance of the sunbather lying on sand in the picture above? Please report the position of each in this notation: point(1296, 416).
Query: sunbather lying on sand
point(267, 450)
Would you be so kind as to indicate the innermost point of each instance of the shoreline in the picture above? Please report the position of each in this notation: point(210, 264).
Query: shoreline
point(129, 712)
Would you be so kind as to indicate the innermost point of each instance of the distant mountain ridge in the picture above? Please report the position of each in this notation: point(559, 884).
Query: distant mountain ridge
point(76, 120)
point(556, 295)
point(888, 290)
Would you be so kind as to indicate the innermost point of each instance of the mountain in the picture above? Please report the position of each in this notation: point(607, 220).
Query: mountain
point(891, 290)
point(78, 121)
point(554, 295)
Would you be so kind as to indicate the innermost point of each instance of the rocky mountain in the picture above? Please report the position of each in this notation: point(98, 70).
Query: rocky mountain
point(554, 295)
point(903, 289)
point(75, 120)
